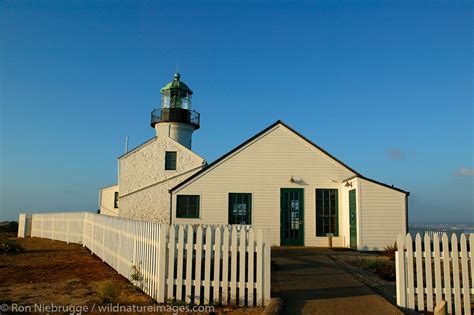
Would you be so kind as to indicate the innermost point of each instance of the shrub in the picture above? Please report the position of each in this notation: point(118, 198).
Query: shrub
point(137, 278)
point(9, 246)
point(108, 292)
point(370, 263)
point(389, 251)
point(385, 269)
point(9, 229)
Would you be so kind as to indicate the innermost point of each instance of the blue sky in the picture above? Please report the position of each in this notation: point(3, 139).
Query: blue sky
point(384, 86)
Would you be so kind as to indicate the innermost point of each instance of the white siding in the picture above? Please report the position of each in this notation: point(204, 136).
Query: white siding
point(107, 198)
point(382, 215)
point(262, 168)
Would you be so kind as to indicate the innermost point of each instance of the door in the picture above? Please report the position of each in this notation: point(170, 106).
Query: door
point(353, 218)
point(291, 216)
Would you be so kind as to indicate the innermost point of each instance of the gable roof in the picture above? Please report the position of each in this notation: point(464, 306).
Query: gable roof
point(278, 122)
point(378, 183)
point(138, 147)
point(151, 140)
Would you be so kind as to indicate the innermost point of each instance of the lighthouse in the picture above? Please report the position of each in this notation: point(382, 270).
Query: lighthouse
point(175, 119)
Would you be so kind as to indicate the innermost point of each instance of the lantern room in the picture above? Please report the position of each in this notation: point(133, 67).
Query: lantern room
point(176, 99)
point(175, 119)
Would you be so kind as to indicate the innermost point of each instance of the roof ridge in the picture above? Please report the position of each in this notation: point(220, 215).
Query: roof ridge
point(229, 153)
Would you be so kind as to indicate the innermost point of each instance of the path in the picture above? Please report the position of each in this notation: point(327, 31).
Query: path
point(309, 282)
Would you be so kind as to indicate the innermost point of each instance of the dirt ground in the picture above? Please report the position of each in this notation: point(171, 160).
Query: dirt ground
point(53, 272)
point(56, 272)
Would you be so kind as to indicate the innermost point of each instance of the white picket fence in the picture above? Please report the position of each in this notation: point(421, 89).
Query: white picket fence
point(433, 271)
point(204, 264)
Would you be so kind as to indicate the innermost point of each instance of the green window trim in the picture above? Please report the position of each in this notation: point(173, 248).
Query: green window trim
point(188, 206)
point(170, 160)
point(240, 208)
point(327, 212)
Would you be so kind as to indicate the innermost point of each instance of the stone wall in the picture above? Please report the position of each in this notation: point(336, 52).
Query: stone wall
point(144, 182)
point(152, 203)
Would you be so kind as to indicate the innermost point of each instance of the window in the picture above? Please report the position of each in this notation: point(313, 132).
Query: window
point(187, 206)
point(170, 160)
point(240, 208)
point(116, 200)
point(326, 212)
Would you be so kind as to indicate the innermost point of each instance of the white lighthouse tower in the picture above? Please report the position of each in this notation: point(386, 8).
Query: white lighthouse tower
point(175, 119)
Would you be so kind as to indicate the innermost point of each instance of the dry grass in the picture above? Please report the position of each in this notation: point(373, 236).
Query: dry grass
point(56, 272)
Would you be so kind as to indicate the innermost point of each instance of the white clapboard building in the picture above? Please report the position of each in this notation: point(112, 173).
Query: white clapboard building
point(277, 180)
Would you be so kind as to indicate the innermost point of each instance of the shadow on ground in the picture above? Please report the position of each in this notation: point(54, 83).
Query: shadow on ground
point(309, 282)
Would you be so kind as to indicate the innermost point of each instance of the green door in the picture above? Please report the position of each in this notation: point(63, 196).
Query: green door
point(353, 218)
point(291, 216)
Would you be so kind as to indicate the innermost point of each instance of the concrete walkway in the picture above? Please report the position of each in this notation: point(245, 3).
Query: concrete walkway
point(309, 282)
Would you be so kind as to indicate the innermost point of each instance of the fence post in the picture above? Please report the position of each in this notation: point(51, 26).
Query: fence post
point(22, 225)
point(67, 230)
point(250, 275)
point(189, 262)
point(225, 266)
point(181, 246)
point(233, 267)
point(259, 250)
point(135, 240)
point(103, 242)
point(465, 274)
point(241, 279)
point(84, 220)
point(437, 269)
point(198, 263)
point(457, 285)
point(207, 265)
point(419, 274)
point(447, 273)
point(400, 271)
point(171, 255)
point(429, 274)
point(217, 265)
point(267, 267)
point(410, 272)
point(163, 244)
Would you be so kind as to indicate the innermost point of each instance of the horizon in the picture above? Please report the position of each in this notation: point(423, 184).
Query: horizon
point(384, 87)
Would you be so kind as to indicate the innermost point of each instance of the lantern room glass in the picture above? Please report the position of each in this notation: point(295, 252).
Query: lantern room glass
point(176, 99)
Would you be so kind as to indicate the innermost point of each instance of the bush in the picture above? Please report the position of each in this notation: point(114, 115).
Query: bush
point(137, 277)
point(9, 229)
point(370, 263)
point(389, 251)
point(385, 270)
point(9, 246)
point(108, 292)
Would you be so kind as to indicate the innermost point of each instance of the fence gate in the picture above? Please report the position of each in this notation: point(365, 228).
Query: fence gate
point(431, 270)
